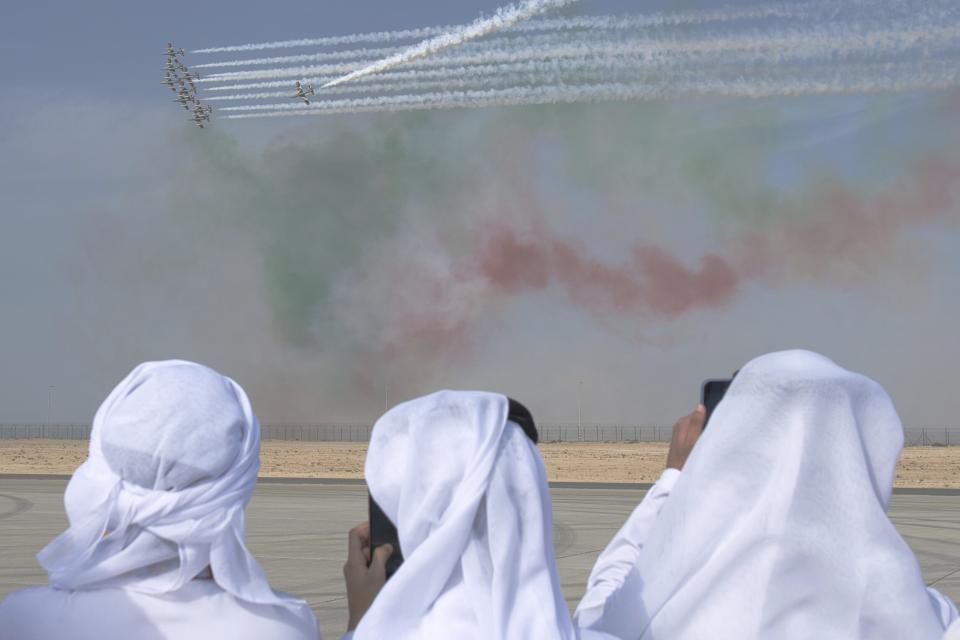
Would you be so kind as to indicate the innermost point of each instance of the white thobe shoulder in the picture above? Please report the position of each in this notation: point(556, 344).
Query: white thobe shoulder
point(613, 588)
point(200, 610)
point(953, 632)
point(947, 611)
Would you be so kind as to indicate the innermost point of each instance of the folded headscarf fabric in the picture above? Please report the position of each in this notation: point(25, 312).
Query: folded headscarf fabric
point(468, 493)
point(174, 455)
point(777, 526)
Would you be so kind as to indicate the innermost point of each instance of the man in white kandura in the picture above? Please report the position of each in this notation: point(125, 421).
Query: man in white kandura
point(776, 528)
point(468, 492)
point(155, 548)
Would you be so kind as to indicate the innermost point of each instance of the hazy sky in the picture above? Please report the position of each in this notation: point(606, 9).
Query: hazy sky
point(612, 254)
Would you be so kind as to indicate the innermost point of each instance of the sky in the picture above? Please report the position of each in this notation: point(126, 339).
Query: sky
point(604, 258)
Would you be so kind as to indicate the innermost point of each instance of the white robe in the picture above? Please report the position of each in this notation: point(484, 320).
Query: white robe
point(953, 633)
point(174, 454)
point(468, 492)
point(200, 610)
point(614, 585)
point(776, 528)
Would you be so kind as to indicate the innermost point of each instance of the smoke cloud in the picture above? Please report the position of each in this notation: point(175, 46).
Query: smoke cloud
point(652, 282)
point(844, 227)
point(520, 249)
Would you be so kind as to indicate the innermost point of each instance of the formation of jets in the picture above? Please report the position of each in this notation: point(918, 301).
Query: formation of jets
point(182, 82)
point(304, 91)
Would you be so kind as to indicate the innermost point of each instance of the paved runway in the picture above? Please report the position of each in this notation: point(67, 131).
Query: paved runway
point(298, 531)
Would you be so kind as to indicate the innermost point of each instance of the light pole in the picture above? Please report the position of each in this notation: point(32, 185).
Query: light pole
point(579, 410)
point(50, 413)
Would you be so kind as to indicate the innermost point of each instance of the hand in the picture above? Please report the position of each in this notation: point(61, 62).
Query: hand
point(365, 576)
point(685, 434)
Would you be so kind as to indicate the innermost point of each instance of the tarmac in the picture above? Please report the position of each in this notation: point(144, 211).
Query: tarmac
point(298, 531)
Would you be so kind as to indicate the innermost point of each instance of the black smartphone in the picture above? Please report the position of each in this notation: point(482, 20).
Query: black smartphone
point(711, 393)
point(383, 531)
point(521, 416)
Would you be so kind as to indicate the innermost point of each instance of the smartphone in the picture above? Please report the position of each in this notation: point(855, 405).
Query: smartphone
point(521, 416)
point(383, 531)
point(711, 393)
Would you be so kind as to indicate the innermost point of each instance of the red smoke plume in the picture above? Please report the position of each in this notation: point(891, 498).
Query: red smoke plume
point(431, 313)
point(841, 225)
point(515, 261)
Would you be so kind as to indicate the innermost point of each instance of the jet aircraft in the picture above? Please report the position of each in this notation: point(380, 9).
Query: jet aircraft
point(183, 98)
point(201, 114)
point(303, 92)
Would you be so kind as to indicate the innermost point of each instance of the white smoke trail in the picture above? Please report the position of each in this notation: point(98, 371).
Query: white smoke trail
point(345, 54)
point(476, 49)
point(281, 72)
point(560, 25)
point(372, 54)
point(266, 85)
point(850, 82)
point(375, 36)
point(252, 96)
point(786, 10)
point(828, 41)
point(456, 79)
point(503, 18)
point(480, 70)
point(556, 71)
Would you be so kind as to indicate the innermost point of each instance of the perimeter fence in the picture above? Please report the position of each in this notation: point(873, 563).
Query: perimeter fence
point(935, 436)
point(548, 433)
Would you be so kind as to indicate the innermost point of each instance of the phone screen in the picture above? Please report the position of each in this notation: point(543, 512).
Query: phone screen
point(712, 393)
point(383, 531)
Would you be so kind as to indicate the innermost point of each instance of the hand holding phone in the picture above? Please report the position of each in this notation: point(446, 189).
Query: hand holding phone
point(686, 432)
point(383, 531)
point(711, 393)
point(364, 573)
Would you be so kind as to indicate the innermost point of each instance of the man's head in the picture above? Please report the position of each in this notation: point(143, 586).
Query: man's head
point(181, 424)
point(174, 455)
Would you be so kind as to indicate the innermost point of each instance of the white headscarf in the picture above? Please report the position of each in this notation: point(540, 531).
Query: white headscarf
point(468, 493)
point(777, 527)
point(174, 455)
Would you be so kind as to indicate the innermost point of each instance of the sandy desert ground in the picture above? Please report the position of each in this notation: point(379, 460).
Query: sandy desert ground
point(566, 461)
